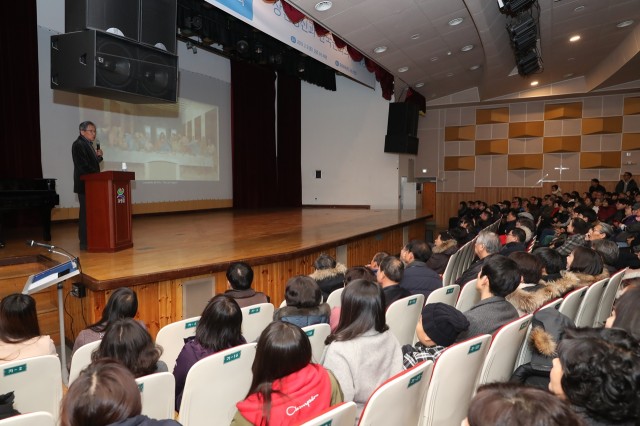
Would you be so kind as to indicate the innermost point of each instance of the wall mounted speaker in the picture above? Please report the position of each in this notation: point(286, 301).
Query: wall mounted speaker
point(402, 128)
point(101, 64)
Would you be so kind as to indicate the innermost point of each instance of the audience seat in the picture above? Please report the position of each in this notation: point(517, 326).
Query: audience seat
point(572, 301)
point(158, 393)
point(586, 314)
point(608, 296)
point(402, 317)
point(39, 418)
point(503, 351)
point(398, 401)
point(524, 354)
point(334, 298)
point(36, 382)
point(255, 318)
point(317, 334)
point(215, 384)
point(81, 358)
point(343, 414)
point(469, 296)
point(171, 338)
point(454, 380)
point(448, 295)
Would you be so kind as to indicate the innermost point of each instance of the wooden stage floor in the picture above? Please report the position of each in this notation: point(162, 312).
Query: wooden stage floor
point(186, 244)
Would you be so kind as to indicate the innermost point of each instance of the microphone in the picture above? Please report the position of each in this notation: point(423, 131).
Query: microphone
point(97, 145)
point(98, 149)
point(32, 243)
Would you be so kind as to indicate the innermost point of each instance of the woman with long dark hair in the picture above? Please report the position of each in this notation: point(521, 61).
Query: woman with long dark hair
point(362, 352)
point(219, 328)
point(287, 389)
point(19, 330)
point(127, 341)
point(123, 303)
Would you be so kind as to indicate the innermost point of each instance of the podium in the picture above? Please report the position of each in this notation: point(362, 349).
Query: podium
point(108, 199)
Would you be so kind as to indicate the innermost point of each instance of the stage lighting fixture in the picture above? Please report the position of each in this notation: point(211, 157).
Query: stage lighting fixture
point(514, 7)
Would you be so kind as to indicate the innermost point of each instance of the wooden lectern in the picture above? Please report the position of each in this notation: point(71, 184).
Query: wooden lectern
point(108, 198)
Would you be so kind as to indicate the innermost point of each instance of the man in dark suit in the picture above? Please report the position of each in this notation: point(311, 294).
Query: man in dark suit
point(86, 159)
point(388, 276)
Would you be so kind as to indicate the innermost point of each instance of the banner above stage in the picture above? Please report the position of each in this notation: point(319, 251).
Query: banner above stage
point(271, 19)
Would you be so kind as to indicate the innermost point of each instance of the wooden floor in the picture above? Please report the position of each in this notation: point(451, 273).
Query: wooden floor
point(186, 244)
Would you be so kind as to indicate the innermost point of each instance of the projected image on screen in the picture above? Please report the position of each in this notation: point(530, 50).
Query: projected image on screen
point(159, 142)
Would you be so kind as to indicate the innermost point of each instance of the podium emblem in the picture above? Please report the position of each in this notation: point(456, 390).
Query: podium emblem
point(120, 198)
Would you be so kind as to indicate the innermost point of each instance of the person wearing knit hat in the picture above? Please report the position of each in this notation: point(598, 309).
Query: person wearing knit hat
point(438, 328)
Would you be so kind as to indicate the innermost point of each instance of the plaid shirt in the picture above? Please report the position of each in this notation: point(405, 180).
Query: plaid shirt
point(414, 355)
point(572, 242)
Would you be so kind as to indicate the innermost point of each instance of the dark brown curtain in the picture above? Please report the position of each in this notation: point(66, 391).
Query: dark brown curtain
point(19, 103)
point(289, 142)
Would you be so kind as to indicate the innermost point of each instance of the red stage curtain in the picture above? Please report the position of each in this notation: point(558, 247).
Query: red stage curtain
point(20, 105)
point(294, 15)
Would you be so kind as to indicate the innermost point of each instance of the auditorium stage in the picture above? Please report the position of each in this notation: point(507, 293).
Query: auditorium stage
point(172, 251)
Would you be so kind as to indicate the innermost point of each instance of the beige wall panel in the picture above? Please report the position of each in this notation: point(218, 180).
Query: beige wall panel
point(515, 178)
point(535, 111)
point(452, 117)
point(483, 131)
point(499, 170)
point(591, 143)
point(468, 116)
point(533, 146)
point(517, 146)
point(631, 123)
point(483, 170)
point(592, 107)
point(612, 105)
point(500, 131)
point(553, 128)
point(518, 112)
point(571, 127)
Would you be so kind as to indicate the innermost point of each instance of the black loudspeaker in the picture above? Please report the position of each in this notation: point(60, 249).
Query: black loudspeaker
point(151, 22)
point(101, 64)
point(402, 128)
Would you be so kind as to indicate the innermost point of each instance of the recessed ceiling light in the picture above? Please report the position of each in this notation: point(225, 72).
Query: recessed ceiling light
point(420, 84)
point(323, 5)
point(474, 67)
point(456, 21)
point(534, 83)
point(433, 59)
point(380, 49)
point(571, 59)
point(403, 69)
point(415, 37)
point(568, 75)
point(624, 23)
point(449, 74)
point(467, 48)
point(449, 53)
point(574, 38)
point(579, 9)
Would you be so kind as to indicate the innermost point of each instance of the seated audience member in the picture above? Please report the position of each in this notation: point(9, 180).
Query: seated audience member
point(239, 280)
point(626, 184)
point(584, 267)
point(105, 393)
point(514, 242)
point(552, 264)
point(128, 342)
point(418, 278)
point(587, 214)
point(509, 221)
point(123, 303)
point(304, 303)
point(362, 352)
point(596, 186)
point(486, 245)
point(498, 278)
point(467, 225)
point(20, 336)
point(219, 328)
point(438, 328)
point(610, 253)
point(287, 389)
point(529, 267)
point(375, 261)
point(597, 371)
point(626, 312)
point(355, 273)
point(389, 276)
point(510, 404)
point(577, 231)
point(525, 222)
point(599, 231)
point(328, 273)
point(444, 246)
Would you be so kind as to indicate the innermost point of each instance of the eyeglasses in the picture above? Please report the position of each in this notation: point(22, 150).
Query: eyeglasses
point(89, 131)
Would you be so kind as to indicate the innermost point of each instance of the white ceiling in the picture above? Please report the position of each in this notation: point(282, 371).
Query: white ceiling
point(604, 56)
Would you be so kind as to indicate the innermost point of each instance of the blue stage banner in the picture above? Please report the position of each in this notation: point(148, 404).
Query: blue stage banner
point(241, 7)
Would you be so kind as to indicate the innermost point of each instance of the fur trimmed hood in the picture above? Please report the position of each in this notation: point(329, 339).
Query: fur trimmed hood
point(448, 247)
point(543, 342)
point(528, 301)
point(323, 274)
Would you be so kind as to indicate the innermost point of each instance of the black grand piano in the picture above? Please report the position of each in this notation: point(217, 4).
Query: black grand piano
point(29, 194)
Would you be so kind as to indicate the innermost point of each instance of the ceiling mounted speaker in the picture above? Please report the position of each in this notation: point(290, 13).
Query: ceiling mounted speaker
point(514, 7)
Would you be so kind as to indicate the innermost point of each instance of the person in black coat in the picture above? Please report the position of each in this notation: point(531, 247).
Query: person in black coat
point(388, 276)
point(86, 160)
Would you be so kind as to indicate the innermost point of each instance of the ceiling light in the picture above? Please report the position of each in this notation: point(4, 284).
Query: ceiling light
point(574, 38)
point(403, 69)
point(534, 83)
point(456, 21)
point(624, 23)
point(415, 37)
point(568, 75)
point(449, 53)
point(449, 74)
point(579, 9)
point(420, 84)
point(474, 67)
point(380, 49)
point(433, 59)
point(466, 48)
point(324, 5)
